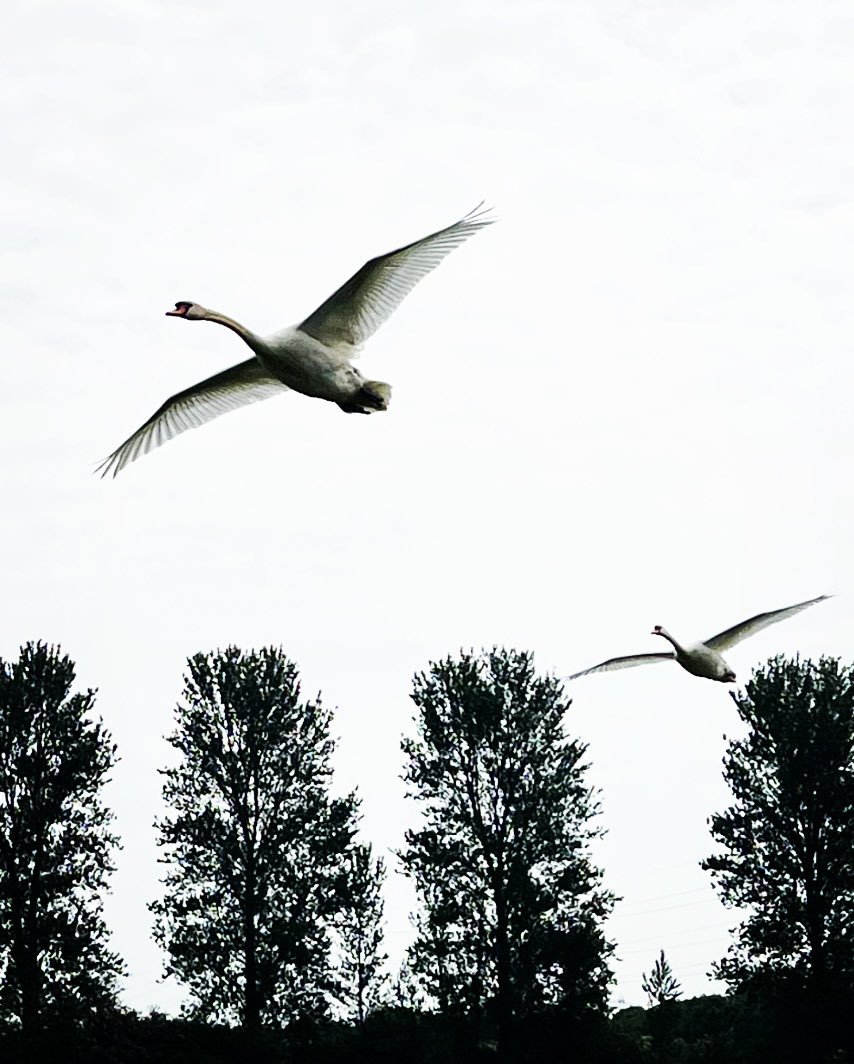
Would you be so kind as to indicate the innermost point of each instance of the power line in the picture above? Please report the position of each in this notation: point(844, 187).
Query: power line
point(671, 934)
point(666, 908)
point(674, 894)
point(672, 948)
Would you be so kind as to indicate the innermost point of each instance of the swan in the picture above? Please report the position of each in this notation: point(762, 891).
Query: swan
point(312, 357)
point(703, 659)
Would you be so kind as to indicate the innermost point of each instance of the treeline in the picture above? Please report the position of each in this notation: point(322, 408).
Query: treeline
point(271, 914)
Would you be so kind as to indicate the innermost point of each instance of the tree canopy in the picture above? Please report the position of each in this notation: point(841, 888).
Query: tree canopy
point(255, 842)
point(511, 903)
point(786, 842)
point(661, 984)
point(359, 933)
point(55, 845)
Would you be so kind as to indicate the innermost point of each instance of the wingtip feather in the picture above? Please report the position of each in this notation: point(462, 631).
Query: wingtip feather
point(479, 216)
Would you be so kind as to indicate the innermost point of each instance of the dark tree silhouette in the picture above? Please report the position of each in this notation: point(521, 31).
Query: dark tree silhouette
point(255, 842)
point(662, 990)
point(511, 902)
point(661, 985)
point(55, 846)
point(360, 934)
point(788, 838)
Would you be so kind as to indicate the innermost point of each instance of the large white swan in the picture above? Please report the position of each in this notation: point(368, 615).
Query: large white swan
point(312, 357)
point(703, 659)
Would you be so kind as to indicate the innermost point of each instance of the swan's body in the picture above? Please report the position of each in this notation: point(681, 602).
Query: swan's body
point(703, 659)
point(313, 357)
point(304, 364)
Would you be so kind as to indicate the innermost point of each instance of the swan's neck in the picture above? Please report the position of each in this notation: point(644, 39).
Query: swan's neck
point(666, 635)
point(245, 334)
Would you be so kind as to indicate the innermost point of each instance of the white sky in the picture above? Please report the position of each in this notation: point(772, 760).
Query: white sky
point(626, 404)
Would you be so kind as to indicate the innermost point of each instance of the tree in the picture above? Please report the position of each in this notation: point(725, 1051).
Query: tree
point(662, 990)
point(787, 840)
point(788, 837)
point(360, 934)
point(404, 991)
point(661, 985)
point(55, 846)
point(511, 904)
point(255, 842)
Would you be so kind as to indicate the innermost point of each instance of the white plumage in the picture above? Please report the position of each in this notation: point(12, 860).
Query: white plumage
point(703, 659)
point(312, 357)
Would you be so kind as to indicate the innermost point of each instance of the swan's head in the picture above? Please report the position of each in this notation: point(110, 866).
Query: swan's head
point(192, 311)
point(659, 630)
point(728, 677)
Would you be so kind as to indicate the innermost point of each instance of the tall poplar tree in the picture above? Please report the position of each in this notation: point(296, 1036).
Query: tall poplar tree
point(786, 846)
point(55, 845)
point(511, 902)
point(256, 844)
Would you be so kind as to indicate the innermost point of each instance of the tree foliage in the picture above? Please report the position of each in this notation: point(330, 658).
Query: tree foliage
point(661, 984)
point(360, 933)
point(255, 842)
point(55, 846)
point(787, 840)
point(511, 904)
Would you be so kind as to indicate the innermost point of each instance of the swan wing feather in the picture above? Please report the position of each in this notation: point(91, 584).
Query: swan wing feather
point(727, 639)
point(363, 303)
point(627, 662)
point(247, 382)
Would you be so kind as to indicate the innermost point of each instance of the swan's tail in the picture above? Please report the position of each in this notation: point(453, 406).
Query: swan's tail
point(374, 395)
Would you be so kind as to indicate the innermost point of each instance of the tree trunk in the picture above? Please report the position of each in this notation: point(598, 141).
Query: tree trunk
point(29, 984)
point(360, 993)
point(25, 958)
point(251, 997)
point(815, 921)
point(504, 991)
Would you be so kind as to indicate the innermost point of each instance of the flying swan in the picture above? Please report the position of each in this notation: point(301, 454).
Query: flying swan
point(703, 659)
point(312, 357)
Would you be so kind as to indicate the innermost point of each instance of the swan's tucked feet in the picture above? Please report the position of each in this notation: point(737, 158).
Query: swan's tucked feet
point(375, 394)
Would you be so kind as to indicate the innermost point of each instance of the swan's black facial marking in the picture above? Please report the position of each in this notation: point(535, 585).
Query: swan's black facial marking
point(180, 310)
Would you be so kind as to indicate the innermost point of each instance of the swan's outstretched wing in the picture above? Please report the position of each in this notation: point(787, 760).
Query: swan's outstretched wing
point(364, 302)
point(627, 662)
point(727, 639)
point(247, 382)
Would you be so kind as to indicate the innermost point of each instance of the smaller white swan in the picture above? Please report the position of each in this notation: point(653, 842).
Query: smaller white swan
point(703, 659)
point(313, 357)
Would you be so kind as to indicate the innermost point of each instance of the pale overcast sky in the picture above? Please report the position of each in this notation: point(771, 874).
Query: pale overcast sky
point(625, 404)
